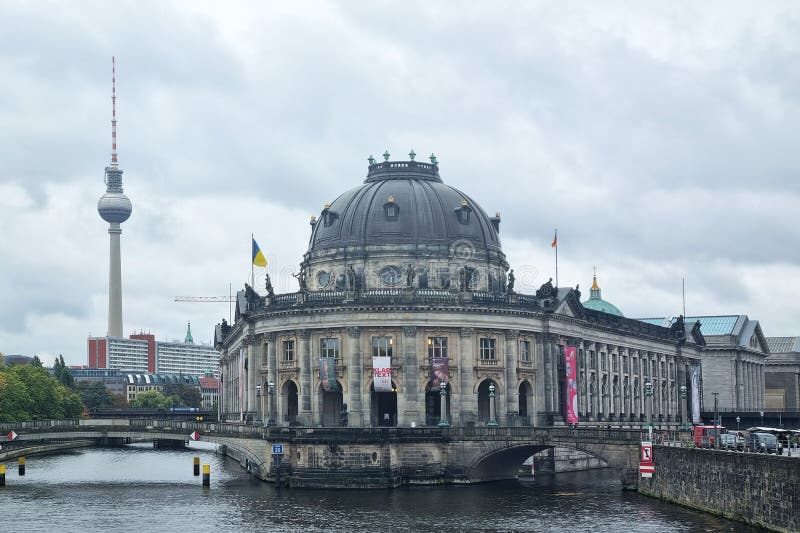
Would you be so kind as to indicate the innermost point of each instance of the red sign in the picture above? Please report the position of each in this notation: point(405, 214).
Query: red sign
point(194, 435)
point(12, 435)
point(570, 363)
point(647, 452)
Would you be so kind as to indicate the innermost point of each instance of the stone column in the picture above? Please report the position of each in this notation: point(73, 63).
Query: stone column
point(409, 411)
point(304, 416)
point(512, 393)
point(272, 376)
point(355, 364)
point(739, 384)
point(253, 363)
point(467, 401)
point(547, 354)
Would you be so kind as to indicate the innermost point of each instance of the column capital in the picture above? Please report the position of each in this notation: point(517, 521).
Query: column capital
point(271, 336)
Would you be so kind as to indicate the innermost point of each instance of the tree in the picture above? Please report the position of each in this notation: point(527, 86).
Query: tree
point(186, 395)
point(94, 394)
point(62, 373)
point(36, 361)
point(150, 399)
point(15, 402)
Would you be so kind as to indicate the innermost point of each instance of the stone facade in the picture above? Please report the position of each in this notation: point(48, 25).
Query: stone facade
point(782, 374)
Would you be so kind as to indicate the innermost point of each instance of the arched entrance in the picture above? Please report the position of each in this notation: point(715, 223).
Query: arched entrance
point(526, 402)
point(383, 407)
point(331, 404)
point(433, 404)
point(483, 399)
point(289, 401)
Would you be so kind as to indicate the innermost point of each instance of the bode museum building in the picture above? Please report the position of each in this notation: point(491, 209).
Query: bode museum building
point(407, 315)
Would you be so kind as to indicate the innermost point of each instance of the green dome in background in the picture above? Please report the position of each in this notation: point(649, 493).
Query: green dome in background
point(596, 302)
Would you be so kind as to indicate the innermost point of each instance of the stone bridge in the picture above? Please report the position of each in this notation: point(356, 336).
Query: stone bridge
point(358, 457)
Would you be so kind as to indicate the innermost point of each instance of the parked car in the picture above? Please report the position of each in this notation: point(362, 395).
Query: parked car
point(761, 443)
point(729, 441)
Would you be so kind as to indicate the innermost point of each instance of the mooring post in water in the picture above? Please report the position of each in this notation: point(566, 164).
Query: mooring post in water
point(196, 466)
point(206, 475)
point(21, 464)
point(2, 474)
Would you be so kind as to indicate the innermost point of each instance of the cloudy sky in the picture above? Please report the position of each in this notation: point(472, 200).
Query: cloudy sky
point(659, 137)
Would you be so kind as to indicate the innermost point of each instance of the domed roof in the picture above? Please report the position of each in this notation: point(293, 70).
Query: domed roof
point(404, 202)
point(597, 303)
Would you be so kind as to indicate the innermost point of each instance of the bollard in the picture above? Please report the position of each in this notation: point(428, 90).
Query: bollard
point(21, 464)
point(2, 474)
point(196, 466)
point(206, 475)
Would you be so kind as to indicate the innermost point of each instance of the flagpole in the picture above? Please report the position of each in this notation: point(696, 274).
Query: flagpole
point(252, 270)
point(556, 241)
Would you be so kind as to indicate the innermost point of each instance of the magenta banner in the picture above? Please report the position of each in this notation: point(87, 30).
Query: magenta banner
point(571, 363)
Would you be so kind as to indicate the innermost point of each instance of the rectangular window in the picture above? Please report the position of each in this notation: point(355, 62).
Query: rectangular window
point(603, 361)
point(593, 359)
point(264, 356)
point(288, 350)
point(329, 347)
point(625, 367)
point(615, 362)
point(525, 351)
point(382, 346)
point(488, 350)
point(437, 347)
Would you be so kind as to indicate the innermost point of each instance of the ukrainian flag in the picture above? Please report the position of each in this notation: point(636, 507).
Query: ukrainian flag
point(258, 255)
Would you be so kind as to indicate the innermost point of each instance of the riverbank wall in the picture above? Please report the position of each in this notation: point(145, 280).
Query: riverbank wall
point(39, 449)
point(757, 489)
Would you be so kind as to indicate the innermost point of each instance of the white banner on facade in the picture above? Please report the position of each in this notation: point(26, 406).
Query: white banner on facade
point(382, 374)
point(696, 395)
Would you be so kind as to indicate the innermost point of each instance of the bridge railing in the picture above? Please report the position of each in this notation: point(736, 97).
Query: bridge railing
point(352, 434)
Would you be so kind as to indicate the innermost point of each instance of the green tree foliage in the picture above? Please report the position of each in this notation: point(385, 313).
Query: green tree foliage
point(28, 392)
point(151, 399)
point(37, 362)
point(62, 373)
point(94, 394)
point(187, 396)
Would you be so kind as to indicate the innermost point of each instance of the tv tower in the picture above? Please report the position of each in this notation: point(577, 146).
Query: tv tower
point(115, 208)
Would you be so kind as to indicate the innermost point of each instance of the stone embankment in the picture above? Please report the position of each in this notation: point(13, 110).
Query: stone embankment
point(38, 449)
point(758, 489)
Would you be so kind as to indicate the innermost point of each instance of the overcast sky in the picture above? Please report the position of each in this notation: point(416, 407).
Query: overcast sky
point(660, 138)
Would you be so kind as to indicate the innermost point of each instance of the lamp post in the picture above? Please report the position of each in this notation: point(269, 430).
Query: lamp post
point(271, 409)
point(260, 404)
point(443, 407)
point(683, 407)
point(761, 413)
point(737, 423)
point(648, 393)
point(716, 418)
point(492, 418)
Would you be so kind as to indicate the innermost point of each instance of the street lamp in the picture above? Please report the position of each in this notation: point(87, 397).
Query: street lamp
point(648, 393)
point(761, 413)
point(492, 418)
point(260, 403)
point(443, 407)
point(737, 423)
point(271, 389)
point(683, 391)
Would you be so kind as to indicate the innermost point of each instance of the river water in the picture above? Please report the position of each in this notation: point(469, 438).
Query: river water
point(138, 488)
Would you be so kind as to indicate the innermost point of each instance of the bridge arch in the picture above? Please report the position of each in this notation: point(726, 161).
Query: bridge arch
point(497, 460)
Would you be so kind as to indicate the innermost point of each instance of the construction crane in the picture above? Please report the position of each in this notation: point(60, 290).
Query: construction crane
point(230, 299)
point(206, 299)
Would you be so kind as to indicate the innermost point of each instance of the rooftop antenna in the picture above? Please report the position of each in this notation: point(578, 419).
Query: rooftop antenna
point(113, 111)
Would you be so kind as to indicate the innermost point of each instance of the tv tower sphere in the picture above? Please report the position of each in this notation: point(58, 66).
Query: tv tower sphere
point(114, 206)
